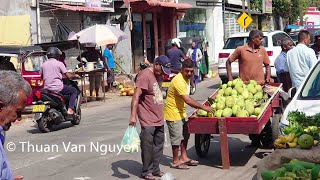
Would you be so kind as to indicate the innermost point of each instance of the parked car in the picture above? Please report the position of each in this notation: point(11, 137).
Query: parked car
point(272, 43)
point(306, 98)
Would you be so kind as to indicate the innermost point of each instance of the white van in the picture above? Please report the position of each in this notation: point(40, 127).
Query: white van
point(306, 98)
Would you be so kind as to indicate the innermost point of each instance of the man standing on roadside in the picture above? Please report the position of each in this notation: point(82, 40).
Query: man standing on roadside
point(110, 65)
point(14, 91)
point(175, 115)
point(252, 57)
point(281, 65)
point(147, 103)
point(301, 59)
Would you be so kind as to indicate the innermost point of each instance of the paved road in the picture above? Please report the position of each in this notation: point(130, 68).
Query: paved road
point(90, 150)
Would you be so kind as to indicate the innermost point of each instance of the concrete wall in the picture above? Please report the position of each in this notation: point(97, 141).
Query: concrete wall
point(123, 51)
point(214, 33)
point(15, 22)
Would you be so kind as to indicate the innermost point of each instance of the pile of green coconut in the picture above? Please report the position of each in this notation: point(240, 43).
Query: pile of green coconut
point(236, 99)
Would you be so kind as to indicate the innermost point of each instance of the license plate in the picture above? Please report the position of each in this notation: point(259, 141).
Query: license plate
point(165, 84)
point(38, 108)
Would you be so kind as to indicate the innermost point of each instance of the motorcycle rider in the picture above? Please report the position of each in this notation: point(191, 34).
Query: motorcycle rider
point(52, 72)
point(316, 45)
point(176, 55)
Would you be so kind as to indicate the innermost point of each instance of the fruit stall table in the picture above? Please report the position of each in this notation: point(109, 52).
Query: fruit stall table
point(85, 74)
point(203, 127)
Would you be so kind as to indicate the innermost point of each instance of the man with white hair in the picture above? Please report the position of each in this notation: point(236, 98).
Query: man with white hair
point(14, 91)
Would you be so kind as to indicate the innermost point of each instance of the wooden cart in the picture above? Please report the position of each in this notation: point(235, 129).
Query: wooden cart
point(203, 127)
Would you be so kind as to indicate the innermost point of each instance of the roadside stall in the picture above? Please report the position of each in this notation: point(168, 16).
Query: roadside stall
point(240, 109)
point(99, 35)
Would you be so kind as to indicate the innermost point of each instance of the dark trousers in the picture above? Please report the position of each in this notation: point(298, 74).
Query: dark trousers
point(152, 140)
point(72, 93)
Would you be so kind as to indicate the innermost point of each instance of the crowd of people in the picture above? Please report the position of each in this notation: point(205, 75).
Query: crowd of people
point(148, 105)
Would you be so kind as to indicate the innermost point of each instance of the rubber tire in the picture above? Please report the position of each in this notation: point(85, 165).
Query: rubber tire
point(77, 121)
point(193, 89)
point(275, 126)
point(202, 144)
point(43, 125)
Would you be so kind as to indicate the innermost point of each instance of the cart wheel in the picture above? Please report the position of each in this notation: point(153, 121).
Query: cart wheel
point(275, 126)
point(202, 143)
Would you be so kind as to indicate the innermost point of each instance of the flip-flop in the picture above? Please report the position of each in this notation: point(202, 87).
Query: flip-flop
point(159, 174)
point(149, 177)
point(180, 166)
point(192, 163)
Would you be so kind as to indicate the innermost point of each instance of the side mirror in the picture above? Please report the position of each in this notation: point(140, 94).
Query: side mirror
point(292, 91)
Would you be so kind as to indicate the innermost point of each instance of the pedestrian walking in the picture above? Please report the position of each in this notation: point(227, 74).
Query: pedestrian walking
point(316, 44)
point(147, 104)
point(195, 54)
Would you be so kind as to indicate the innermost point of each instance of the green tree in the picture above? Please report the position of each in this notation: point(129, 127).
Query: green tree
point(288, 9)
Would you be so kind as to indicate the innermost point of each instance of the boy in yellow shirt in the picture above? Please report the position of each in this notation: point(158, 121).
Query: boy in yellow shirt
point(175, 114)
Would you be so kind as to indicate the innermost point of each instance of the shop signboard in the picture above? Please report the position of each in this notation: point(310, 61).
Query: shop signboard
point(267, 6)
point(64, 1)
point(107, 5)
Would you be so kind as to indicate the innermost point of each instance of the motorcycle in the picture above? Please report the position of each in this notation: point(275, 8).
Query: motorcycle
point(50, 108)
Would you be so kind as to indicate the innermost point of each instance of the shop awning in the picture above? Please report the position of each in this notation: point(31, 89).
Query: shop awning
point(143, 3)
point(79, 8)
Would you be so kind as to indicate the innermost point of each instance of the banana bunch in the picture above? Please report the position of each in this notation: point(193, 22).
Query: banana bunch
point(289, 141)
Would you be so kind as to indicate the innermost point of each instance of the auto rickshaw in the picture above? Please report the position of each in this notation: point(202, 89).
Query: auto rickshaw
point(27, 61)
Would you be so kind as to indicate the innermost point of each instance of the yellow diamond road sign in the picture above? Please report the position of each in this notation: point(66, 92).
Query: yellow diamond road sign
point(244, 20)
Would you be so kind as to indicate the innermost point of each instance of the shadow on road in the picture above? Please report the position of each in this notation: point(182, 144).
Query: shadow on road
point(61, 126)
point(215, 86)
point(130, 166)
point(238, 153)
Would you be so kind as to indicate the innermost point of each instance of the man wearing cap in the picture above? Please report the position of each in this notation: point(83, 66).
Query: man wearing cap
point(147, 104)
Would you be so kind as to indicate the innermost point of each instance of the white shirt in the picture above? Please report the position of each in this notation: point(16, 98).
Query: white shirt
point(300, 60)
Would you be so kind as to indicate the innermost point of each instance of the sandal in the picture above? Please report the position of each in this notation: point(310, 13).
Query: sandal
point(159, 174)
point(192, 163)
point(179, 166)
point(149, 177)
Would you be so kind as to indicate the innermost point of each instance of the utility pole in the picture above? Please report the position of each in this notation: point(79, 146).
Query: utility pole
point(300, 13)
point(243, 5)
point(249, 8)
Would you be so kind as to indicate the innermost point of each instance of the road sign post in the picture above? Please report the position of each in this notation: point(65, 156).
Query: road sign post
point(244, 20)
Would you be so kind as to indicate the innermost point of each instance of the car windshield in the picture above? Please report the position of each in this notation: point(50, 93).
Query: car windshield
point(34, 62)
point(311, 89)
point(233, 43)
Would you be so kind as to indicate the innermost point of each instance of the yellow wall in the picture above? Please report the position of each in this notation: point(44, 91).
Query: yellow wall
point(15, 30)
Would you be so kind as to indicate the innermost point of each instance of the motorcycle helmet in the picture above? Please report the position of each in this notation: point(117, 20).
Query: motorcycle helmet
point(176, 41)
point(54, 52)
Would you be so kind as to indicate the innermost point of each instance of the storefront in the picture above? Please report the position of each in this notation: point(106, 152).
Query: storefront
point(205, 21)
point(71, 15)
point(153, 23)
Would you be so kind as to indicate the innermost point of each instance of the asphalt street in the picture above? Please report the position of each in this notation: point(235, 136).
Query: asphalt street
point(91, 150)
